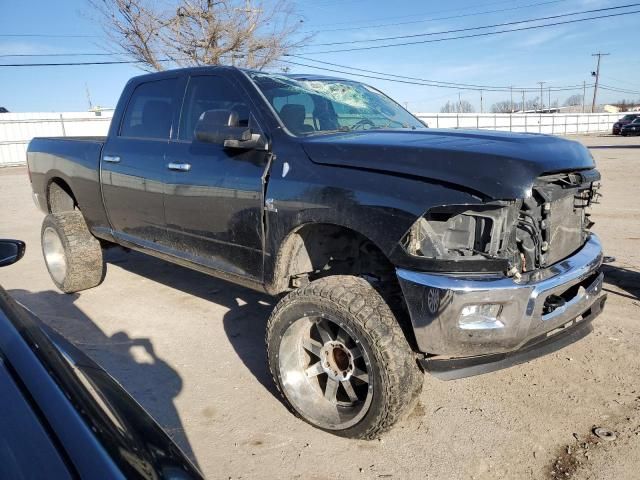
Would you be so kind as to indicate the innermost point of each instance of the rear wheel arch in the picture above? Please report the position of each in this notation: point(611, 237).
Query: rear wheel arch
point(60, 197)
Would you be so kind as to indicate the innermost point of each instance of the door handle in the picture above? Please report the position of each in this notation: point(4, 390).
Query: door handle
point(111, 158)
point(180, 167)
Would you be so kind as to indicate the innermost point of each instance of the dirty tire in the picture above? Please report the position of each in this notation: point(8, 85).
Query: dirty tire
point(352, 304)
point(59, 199)
point(72, 254)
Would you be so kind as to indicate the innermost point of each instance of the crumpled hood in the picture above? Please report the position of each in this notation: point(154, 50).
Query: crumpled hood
point(499, 165)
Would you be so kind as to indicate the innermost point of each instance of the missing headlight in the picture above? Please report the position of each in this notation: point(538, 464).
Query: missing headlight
point(463, 231)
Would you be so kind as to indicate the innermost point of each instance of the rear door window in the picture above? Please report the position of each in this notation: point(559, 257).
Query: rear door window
point(150, 110)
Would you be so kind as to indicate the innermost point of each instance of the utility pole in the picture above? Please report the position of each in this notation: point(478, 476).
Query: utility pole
point(481, 101)
point(459, 103)
point(523, 105)
point(597, 75)
point(584, 93)
point(541, 96)
point(549, 99)
point(86, 87)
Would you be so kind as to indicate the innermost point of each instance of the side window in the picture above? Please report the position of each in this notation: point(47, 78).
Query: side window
point(207, 92)
point(150, 110)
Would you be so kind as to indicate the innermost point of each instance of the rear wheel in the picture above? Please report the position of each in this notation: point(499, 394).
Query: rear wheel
point(72, 254)
point(340, 359)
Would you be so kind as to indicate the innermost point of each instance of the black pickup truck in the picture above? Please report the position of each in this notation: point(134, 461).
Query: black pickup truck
point(394, 248)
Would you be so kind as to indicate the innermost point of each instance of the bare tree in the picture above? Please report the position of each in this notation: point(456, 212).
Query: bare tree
point(503, 106)
point(573, 100)
point(201, 32)
point(626, 105)
point(463, 106)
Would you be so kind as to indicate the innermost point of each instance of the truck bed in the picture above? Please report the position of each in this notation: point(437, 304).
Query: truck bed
point(70, 161)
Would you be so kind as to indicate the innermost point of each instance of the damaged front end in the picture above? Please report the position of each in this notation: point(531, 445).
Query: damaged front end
point(512, 237)
point(491, 278)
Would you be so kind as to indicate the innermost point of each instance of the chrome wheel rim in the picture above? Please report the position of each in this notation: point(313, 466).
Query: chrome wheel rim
point(325, 372)
point(54, 254)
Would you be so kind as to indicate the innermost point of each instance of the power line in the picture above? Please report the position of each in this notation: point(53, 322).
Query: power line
point(398, 79)
point(377, 77)
point(413, 15)
point(504, 24)
point(61, 64)
point(409, 82)
point(618, 90)
point(463, 86)
point(621, 81)
point(383, 25)
point(47, 35)
point(90, 54)
point(475, 35)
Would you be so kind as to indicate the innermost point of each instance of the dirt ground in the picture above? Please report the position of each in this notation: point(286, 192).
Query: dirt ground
point(190, 349)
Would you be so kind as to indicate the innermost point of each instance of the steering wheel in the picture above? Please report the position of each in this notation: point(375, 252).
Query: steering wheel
point(361, 123)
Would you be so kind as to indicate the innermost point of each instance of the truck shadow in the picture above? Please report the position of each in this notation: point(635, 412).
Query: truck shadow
point(623, 278)
point(132, 361)
point(248, 310)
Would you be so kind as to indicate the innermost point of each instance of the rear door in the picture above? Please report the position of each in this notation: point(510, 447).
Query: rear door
point(213, 205)
point(134, 169)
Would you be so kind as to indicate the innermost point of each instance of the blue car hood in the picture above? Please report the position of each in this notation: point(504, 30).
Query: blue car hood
point(498, 165)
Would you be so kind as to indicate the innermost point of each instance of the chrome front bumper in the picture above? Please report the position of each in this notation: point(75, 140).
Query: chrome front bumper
point(436, 303)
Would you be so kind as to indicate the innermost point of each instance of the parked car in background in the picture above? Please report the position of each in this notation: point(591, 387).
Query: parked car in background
point(631, 129)
point(63, 416)
point(630, 117)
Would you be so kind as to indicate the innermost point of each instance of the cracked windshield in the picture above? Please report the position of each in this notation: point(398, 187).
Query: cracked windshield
point(312, 106)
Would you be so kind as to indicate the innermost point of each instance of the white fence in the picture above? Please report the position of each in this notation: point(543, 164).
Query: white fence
point(17, 129)
point(551, 123)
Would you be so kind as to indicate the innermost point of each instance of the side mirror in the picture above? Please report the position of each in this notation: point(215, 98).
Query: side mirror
point(216, 126)
point(221, 126)
point(11, 251)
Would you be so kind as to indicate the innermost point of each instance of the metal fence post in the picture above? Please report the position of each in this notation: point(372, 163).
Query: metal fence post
point(457, 120)
point(511, 121)
point(525, 124)
point(478, 122)
point(437, 121)
point(540, 123)
point(64, 133)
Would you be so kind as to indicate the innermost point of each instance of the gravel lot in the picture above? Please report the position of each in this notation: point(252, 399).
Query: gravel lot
point(190, 349)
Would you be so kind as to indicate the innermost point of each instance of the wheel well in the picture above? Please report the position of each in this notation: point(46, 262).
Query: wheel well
point(319, 250)
point(60, 197)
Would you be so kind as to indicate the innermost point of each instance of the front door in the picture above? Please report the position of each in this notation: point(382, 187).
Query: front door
point(134, 169)
point(213, 203)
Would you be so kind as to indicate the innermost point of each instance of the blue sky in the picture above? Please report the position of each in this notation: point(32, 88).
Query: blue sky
point(559, 55)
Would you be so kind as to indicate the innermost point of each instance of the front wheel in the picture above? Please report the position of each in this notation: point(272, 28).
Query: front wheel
point(340, 358)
